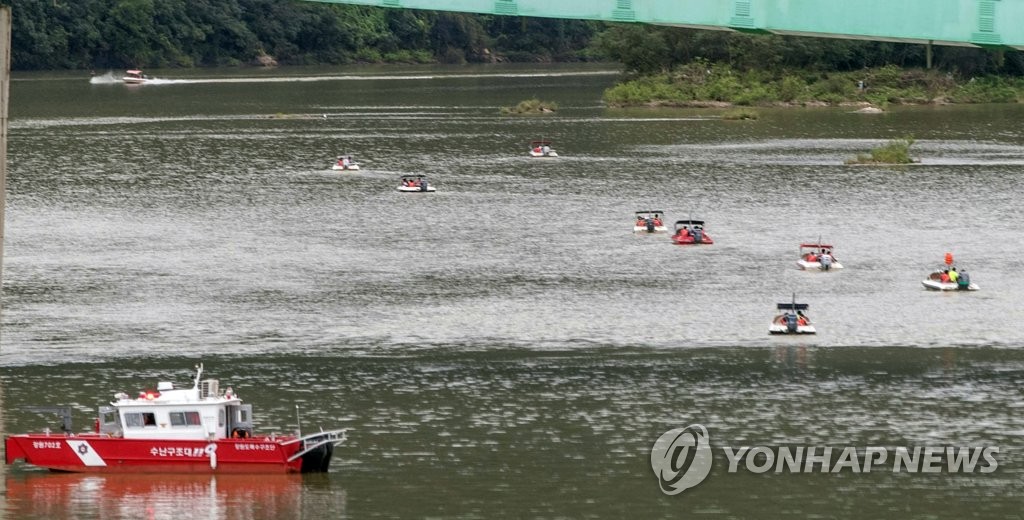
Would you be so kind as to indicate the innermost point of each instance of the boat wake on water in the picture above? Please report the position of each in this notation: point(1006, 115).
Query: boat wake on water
point(112, 78)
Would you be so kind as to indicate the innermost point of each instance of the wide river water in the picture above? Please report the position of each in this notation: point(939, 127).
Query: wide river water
point(506, 346)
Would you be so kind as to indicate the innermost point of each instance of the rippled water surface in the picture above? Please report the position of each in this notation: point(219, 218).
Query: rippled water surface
point(506, 346)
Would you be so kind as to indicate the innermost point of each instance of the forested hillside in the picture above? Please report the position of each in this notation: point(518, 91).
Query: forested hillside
point(84, 34)
point(93, 34)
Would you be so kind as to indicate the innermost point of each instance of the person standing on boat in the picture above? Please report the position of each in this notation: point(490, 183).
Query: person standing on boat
point(826, 260)
point(546, 150)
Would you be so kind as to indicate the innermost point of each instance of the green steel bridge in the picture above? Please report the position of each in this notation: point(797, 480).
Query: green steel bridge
point(972, 23)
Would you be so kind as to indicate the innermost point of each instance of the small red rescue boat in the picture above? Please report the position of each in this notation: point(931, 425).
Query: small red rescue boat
point(690, 232)
point(172, 430)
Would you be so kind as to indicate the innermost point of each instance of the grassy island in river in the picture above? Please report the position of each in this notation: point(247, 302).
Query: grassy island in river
point(703, 84)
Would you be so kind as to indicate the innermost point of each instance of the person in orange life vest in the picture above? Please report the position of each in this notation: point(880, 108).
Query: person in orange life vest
point(944, 277)
point(537, 149)
point(811, 257)
point(657, 221)
point(640, 222)
point(683, 232)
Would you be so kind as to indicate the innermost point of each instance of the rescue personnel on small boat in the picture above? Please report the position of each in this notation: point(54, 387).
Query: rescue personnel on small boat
point(824, 258)
point(800, 318)
point(697, 233)
point(960, 278)
point(649, 222)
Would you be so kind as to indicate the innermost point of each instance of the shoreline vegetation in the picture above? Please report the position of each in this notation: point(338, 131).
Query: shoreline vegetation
point(668, 66)
point(896, 151)
point(703, 84)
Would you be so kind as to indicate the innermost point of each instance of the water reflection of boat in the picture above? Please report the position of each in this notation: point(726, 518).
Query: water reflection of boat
point(80, 495)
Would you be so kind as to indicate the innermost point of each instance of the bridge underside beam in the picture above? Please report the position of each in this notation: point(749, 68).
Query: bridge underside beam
point(974, 23)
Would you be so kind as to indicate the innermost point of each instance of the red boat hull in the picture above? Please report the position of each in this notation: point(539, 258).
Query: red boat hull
point(103, 454)
point(688, 240)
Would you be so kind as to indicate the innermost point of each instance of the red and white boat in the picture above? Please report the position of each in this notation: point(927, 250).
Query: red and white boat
point(134, 77)
point(415, 184)
point(649, 222)
point(542, 148)
point(345, 162)
point(690, 232)
point(174, 430)
point(792, 320)
point(817, 256)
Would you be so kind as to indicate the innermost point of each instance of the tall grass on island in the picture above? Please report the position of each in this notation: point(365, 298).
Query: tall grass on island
point(528, 107)
point(896, 151)
point(702, 84)
point(741, 114)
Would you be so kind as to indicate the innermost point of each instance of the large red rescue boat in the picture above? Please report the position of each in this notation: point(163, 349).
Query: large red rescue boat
point(172, 430)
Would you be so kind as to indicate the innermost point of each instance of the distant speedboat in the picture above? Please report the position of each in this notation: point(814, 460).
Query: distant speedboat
point(345, 162)
point(690, 232)
point(937, 282)
point(817, 256)
point(542, 148)
point(949, 279)
point(415, 184)
point(649, 222)
point(134, 77)
point(792, 320)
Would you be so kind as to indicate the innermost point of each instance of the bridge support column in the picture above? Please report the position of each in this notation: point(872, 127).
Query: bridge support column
point(928, 55)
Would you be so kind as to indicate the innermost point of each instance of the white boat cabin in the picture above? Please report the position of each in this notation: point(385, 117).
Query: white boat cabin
point(198, 413)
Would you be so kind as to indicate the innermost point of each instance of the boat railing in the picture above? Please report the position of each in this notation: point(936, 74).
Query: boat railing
point(313, 441)
point(63, 412)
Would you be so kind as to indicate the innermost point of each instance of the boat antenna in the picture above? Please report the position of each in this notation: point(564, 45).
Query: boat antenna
point(298, 422)
point(199, 374)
